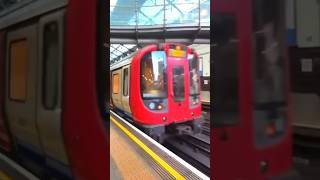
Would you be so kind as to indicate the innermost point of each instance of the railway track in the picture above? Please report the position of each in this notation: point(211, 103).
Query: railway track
point(195, 149)
point(189, 150)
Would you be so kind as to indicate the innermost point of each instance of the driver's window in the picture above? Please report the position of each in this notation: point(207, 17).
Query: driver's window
point(225, 57)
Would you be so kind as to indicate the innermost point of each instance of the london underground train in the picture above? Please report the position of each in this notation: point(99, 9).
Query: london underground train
point(158, 87)
point(252, 122)
point(45, 67)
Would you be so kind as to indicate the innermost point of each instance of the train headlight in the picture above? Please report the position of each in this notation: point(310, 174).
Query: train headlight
point(194, 102)
point(159, 107)
point(152, 105)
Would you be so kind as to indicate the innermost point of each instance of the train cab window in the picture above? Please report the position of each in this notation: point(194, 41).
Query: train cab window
point(269, 71)
point(178, 83)
point(18, 70)
point(226, 98)
point(50, 65)
point(125, 82)
point(194, 83)
point(153, 75)
point(115, 83)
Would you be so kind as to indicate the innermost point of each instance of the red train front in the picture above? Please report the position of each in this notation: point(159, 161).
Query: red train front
point(163, 89)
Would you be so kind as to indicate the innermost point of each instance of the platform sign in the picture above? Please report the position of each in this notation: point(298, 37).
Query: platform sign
point(177, 51)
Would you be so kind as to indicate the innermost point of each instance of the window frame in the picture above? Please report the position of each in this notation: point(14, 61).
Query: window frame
point(9, 71)
point(190, 61)
point(181, 67)
point(271, 111)
point(57, 17)
point(113, 75)
point(44, 70)
point(125, 93)
point(165, 77)
point(235, 115)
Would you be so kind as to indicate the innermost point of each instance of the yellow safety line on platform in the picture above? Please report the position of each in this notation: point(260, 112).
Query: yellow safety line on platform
point(4, 176)
point(164, 164)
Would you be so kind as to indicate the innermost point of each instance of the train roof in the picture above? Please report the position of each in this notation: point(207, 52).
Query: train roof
point(26, 9)
point(127, 60)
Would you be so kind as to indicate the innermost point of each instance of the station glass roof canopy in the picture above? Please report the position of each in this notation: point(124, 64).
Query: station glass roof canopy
point(134, 23)
point(159, 12)
point(119, 51)
point(153, 21)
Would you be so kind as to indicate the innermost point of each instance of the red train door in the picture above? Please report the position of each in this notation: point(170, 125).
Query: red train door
point(251, 132)
point(178, 87)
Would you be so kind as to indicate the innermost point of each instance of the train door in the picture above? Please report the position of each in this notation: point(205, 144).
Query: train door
point(251, 117)
point(178, 70)
point(270, 72)
point(21, 80)
point(49, 96)
point(230, 144)
point(125, 88)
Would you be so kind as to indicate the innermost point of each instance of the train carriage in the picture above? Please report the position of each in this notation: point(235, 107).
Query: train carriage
point(159, 86)
point(44, 68)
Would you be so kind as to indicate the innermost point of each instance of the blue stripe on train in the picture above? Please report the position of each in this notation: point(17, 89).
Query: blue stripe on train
point(37, 161)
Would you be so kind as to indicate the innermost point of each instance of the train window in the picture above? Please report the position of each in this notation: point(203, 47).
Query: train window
point(194, 74)
point(153, 75)
point(50, 65)
point(18, 70)
point(226, 98)
point(194, 84)
point(178, 83)
point(269, 70)
point(115, 83)
point(125, 81)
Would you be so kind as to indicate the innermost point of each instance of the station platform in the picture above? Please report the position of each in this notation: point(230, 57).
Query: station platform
point(10, 170)
point(134, 155)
